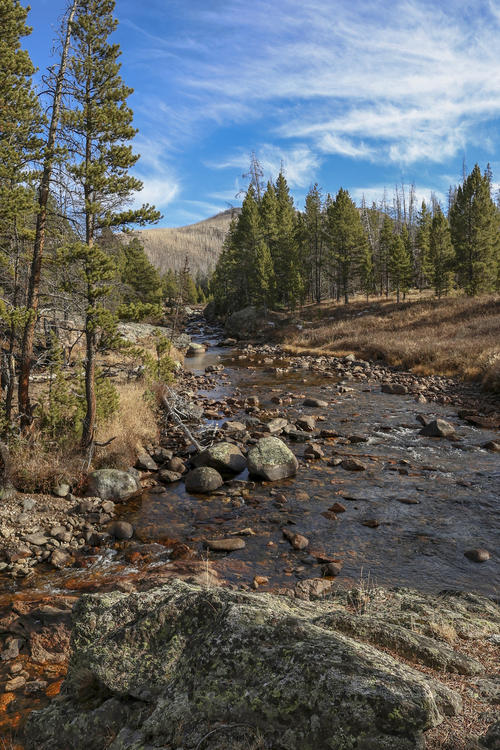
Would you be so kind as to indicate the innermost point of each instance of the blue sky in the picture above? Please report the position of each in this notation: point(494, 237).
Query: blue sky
point(355, 93)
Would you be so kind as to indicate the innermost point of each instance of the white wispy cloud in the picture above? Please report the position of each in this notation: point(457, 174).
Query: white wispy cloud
point(401, 82)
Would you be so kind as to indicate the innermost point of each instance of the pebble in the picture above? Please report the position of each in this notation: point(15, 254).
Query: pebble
point(352, 464)
point(224, 545)
point(477, 555)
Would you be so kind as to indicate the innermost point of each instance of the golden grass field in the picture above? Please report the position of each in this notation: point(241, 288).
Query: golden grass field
point(457, 336)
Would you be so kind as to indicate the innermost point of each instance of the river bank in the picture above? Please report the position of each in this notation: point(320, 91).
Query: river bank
point(412, 509)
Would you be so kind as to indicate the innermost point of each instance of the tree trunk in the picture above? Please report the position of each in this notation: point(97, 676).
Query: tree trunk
point(41, 224)
point(89, 420)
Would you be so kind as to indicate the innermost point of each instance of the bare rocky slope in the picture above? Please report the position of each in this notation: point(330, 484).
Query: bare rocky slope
point(168, 247)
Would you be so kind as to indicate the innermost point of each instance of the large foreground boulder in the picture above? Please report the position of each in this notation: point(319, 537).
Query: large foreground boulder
point(112, 484)
point(271, 459)
point(183, 666)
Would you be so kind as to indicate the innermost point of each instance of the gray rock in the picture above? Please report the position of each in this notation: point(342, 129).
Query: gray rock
point(225, 458)
point(491, 739)
point(244, 323)
point(145, 462)
point(144, 665)
point(203, 479)
point(224, 545)
point(315, 402)
point(61, 490)
point(438, 428)
point(112, 484)
point(492, 445)
point(194, 349)
point(307, 423)
point(271, 459)
point(275, 426)
point(477, 555)
point(396, 389)
point(37, 539)
point(121, 530)
point(168, 476)
point(352, 464)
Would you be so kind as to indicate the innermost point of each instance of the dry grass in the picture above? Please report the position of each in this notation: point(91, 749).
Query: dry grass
point(458, 336)
point(37, 465)
point(132, 426)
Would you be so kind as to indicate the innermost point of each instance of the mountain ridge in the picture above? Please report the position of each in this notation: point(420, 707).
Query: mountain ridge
point(201, 243)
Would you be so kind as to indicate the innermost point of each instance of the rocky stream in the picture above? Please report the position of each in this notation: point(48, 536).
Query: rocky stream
point(341, 489)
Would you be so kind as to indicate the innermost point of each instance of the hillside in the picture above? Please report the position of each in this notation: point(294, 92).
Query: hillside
point(201, 242)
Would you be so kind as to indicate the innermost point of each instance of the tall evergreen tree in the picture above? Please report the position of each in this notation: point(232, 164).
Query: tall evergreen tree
point(99, 127)
point(441, 255)
point(399, 266)
point(35, 275)
point(386, 242)
point(424, 221)
point(474, 222)
point(347, 240)
point(141, 278)
point(20, 144)
point(286, 253)
point(314, 239)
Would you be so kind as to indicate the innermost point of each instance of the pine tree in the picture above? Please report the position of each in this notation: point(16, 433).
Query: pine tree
point(35, 275)
point(474, 222)
point(441, 255)
point(141, 278)
point(286, 253)
point(170, 286)
point(424, 221)
point(386, 242)
point(314, 240)
point(347, 240)
point(20, 145)
point(99, 128)
point(367, 271)
point(399, 266)
point(254, 273)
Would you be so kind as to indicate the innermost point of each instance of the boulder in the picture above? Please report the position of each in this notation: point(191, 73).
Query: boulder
point(187, 666)
point(194, 349)
point(315, 403)
point(224, 545)
point(244, 323)
point(396, 389)
point(225, 458)
point(271, 459)
point(112, 484)
point(438, 428)
point(121, 530)
point(204, 479)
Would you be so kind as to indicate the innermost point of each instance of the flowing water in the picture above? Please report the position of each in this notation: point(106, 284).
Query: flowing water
point(432, 498)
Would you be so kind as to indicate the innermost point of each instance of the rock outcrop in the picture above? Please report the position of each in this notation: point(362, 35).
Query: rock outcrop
point(184, 666)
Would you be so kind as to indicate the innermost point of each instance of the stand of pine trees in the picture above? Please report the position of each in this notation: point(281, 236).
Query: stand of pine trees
point(277, 256)
point(66, 260)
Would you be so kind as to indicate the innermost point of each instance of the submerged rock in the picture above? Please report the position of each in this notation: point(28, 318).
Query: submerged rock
point(271, 459)
point(183, 666)
point(204, 479)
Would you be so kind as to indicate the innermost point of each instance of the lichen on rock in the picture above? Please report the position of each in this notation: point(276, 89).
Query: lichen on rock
point(182, 666)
